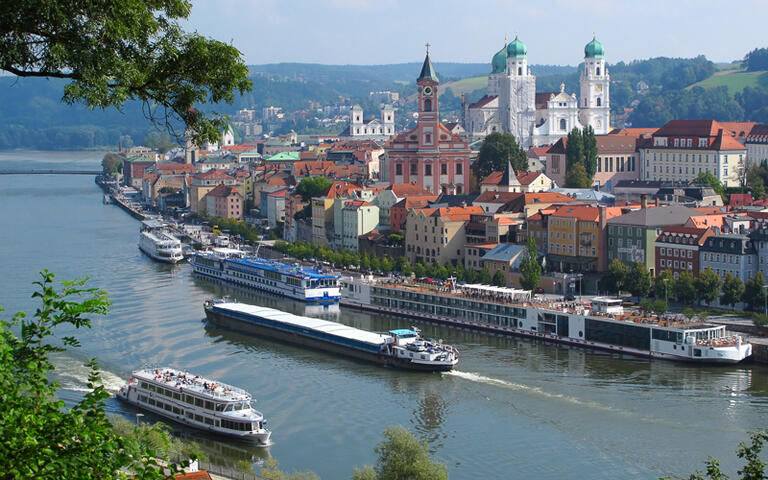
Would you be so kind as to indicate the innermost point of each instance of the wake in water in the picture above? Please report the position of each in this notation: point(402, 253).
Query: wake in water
point(497, 382)
point(72, 374)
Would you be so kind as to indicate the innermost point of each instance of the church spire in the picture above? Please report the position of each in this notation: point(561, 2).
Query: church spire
point(427, 70)
point(509, 179)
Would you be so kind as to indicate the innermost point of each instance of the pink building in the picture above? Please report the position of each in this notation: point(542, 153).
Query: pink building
point(429, 155)
point(225, 201)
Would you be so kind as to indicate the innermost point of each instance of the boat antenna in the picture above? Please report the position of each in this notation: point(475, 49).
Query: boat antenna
point(258, 245)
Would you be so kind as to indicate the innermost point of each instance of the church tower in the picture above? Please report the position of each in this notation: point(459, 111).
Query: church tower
point(595, 102)
point(517, 99)
point(429, 117)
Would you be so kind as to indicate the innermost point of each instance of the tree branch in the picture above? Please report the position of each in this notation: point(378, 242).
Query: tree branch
point(25, 73)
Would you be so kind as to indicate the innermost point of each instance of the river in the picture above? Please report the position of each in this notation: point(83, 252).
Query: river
point(513, 409)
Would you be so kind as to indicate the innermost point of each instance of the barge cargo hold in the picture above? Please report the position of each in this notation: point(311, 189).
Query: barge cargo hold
point(403, 348)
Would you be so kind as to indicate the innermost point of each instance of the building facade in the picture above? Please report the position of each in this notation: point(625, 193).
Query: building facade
point(678, 249)
point(730, 253)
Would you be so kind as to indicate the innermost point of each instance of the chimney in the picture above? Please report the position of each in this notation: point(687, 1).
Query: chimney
point(643, 201)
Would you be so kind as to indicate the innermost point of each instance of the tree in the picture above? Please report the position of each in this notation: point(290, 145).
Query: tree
point(707, 286)
point(402, 456)
point(161, 143)
point(685, 289)
point(385, 265)
point(646, 305)
point(615, 277)
point(406, 269)
point(310, 187)
point(40, 438)
point(590, 151)
point(111, 164)
point(574, 149)
point(114, 52)
point(664, 284)
point(577, 177)
point(530, 269)
point(419, 270)
point(756, 182)
point(733, 290)
point(754, 468)
point(754, 292)
point(497, 151)
point(708, 179)
point(638, 280)
point(499, 279)
point(660, 306)
point(485, 276)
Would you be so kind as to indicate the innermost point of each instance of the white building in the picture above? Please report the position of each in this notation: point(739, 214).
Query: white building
point(757, 145)
point(512, 104)
point(358, 218)
point(375, 129)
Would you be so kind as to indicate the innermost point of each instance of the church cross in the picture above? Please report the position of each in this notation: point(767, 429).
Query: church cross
point(427, 45)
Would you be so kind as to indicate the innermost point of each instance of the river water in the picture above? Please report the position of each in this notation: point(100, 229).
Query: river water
point(513, 409)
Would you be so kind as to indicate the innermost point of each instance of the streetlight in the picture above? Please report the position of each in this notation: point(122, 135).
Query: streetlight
point(138, 415)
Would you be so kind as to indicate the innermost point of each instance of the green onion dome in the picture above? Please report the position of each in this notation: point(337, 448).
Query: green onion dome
point(517, 49)
point(499, 61)
point(594, 49)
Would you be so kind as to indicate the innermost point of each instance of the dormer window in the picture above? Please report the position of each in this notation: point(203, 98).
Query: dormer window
point(677, 142)
point(702, 143)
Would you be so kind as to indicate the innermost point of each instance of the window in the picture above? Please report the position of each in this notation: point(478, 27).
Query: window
point(428, 105)
point(414, 169)
point(398, 169)
point(599, 102)
point(563, 125)
point(444, 169)
point(427, 170)
point(428, 138)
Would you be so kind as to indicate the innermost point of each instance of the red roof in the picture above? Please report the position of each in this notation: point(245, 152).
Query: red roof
point(456, 214)
point(493, 178)
point(548, 197)
point(585, 213)
point(404, 189)
point(214, 175)
point(698, 233)
point(526, 178)
point(175, 168)
point(341, 189)
point(496, 197)
point(222, 190)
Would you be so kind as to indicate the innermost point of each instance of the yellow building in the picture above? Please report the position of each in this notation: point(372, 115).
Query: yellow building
point(203, 183)
point(576, 237)
point(436, 235)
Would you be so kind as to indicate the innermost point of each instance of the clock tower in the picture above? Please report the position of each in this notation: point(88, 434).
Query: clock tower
point(595, 105)
point(429, 115)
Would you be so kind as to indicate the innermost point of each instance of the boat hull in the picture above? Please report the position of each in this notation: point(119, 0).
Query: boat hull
point(253, 328)
point(159, 258)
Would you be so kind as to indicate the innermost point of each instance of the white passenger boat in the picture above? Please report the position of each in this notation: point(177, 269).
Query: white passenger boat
point(602, 324)
point(156, 241)
point(196, 401)
point(301, 283)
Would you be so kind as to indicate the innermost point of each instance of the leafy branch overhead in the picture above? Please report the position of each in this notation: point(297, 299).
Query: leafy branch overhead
point(117, 51)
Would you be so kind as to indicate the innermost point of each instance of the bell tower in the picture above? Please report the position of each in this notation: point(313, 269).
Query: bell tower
point(594, 104)
point(429, 117)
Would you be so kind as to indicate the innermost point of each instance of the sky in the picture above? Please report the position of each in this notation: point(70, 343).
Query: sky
point(373, 32)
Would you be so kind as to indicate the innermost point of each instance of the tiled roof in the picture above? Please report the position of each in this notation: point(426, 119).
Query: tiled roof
point(222, 190)
point(738, 130)
point(214, 175)
point(656, 216)
point(340, 189)
point(456, 214)
point(483, 101)
point(697, 233)
point(542, 98)
point(726, 142)
point(403, 189)
point(615, 144)
point(585, 213)
point(526, 178)
point(688, 128)
point(496, 197)
point(493, 178)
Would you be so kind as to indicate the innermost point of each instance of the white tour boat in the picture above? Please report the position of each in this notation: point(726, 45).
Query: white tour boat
point(196, 401)
point(156, 241)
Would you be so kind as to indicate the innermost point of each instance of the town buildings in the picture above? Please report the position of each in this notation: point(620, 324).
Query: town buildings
point(729, 253)
point(678, 249)
point(437, 235)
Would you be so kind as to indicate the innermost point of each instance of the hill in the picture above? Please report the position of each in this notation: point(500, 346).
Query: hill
point(733, 79)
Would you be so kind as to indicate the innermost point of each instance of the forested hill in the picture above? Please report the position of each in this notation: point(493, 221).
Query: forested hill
point(643, 93)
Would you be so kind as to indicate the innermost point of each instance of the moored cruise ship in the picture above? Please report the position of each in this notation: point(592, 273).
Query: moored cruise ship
point(300, 283)
point(156, 241)
point(196, 401)
point(601, 325)
point(401, 348)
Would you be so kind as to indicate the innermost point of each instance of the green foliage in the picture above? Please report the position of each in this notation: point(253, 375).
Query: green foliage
point(754, 469)
point(646, 305)
point(395, 239)
point(419, 270)
point(499, 279)
point(756, 60)
point(250, 233)
point(310, 187)
point(664, 284)
point(707, 286)
point(485, 276)
point(111, 164)
point(660, 306)
point(754, 292)
point(707, 178)
point(615, 278)
point(590, 150)
point(756, 178)
point(574, 149)
point(401, 456)
point(760, 319)
point(685, 289)
point(638, 280)
point(577, 177)
point(270, 472)
point(405, 268)
point(161, 143)
point(497, 151)
point(39, 438)
point(530, 268)
point(117, 51)
point(733, 290)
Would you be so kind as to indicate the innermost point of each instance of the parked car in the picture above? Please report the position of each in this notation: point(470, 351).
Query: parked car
point(539, 290)
point(427, 280)
point(569, 297)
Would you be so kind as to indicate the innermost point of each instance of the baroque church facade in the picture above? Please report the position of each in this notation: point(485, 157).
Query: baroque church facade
point(512, 104)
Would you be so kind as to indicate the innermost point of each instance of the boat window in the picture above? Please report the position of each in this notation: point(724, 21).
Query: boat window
point(198, 402)
point(144, 385)
point(228, 408)
point(167, 406)
point(142, 398)
point(177, 396)
point(190, 415)
point(696, 352)
point(189, 399)
point(208, 405)
point(219, 407)
point(208, 421)
point(177, 410)
point(151, 388)
point(199, 418)
point(151, 401)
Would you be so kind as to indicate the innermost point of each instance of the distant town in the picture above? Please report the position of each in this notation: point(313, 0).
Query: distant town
point(604, 206)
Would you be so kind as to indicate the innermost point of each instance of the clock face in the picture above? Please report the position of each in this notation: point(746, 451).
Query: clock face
point(598, 87)
point(427, 90)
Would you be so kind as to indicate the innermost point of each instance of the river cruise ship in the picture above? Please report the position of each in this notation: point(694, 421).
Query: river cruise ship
point(158, 243)
point(402, 348)
point(301, 283)
point(603, 324)
point(196, 401)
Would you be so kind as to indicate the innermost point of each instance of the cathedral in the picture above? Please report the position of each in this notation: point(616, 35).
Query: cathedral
point(513, 105)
